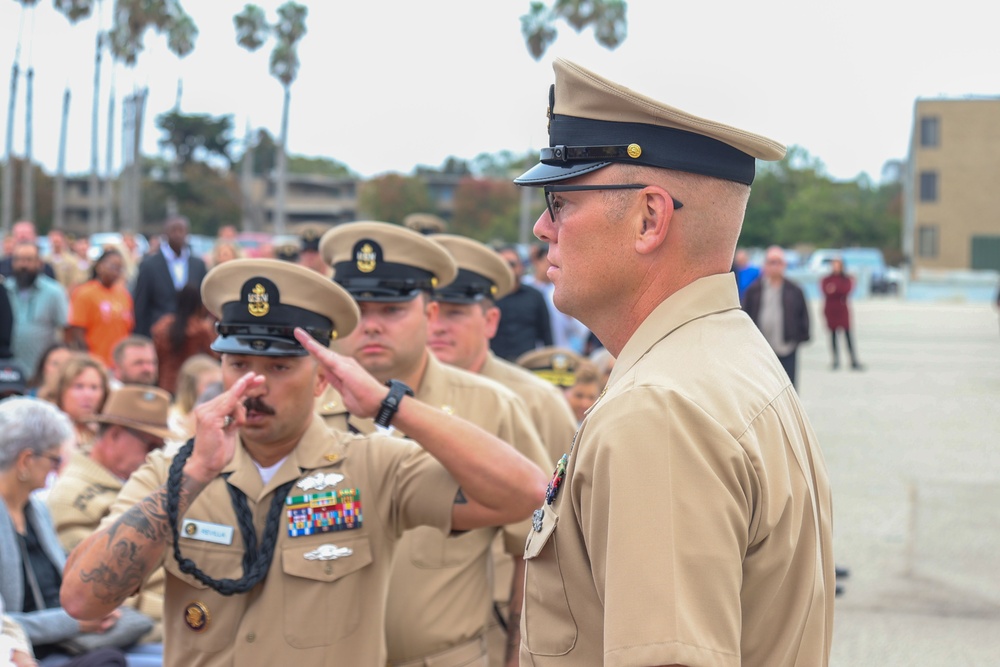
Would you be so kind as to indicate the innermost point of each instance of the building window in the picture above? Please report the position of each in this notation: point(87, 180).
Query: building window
point(927, 240)
point(928, 186)
point(930, 132)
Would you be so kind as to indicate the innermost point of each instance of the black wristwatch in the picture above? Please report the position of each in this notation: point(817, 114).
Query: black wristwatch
point(397, 390)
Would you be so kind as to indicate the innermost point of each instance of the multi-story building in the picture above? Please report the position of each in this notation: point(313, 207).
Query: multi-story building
point(952, 190)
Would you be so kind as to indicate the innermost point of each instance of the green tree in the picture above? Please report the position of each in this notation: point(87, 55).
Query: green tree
point(607, 17)
point(252, 30)
point(196, 136)
point(298, 164)
point(486, 209)
point(207, 196)
point(392, 197)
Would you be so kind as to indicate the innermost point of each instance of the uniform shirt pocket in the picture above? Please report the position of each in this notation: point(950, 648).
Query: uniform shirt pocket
point(205, 619)
point(550, 628)
point(318, 582)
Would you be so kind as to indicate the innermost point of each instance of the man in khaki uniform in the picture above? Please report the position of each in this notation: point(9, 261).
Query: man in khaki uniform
point(277, 534)
point(459, 334)
point(133, 424)
point(691, 522)
point(441, 592)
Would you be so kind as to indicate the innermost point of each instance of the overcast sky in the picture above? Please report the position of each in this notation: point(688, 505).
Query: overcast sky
point(385, 86)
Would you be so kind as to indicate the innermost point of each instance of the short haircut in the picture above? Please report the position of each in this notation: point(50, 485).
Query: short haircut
point(135, 340)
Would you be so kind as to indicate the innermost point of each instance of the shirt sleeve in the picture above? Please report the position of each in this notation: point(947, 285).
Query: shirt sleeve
point(664, 493)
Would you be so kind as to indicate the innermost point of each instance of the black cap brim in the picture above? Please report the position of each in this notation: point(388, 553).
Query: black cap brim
point(258, 346)
point(543, 174)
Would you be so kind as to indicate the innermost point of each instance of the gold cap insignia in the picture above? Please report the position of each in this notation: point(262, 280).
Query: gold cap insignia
point(366, 258)
point(634, 150)
point(196, 616)
point(257, 301)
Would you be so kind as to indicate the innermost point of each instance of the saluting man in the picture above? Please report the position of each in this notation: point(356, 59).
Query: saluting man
point(276, 533)
point(441, 592)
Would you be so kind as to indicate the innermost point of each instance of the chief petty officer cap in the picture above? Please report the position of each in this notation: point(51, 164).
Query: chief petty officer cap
point(555, 364)
point(482, 272)
point(378, 261)
point(309, 234)
point(259, 302)
point(594, 122)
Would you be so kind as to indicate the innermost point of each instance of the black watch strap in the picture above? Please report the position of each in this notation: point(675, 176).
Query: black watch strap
point(397, 390)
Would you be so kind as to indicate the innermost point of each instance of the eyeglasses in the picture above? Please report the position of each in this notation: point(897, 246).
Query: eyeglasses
point(56, 461)
point(551, 204)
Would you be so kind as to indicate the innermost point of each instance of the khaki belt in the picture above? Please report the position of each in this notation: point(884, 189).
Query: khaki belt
point(456, 656)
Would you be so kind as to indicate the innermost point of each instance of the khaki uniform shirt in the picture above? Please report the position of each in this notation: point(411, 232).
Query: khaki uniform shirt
point(79, 499)
point(441, 591)
point(309, 611)
point(693, 525)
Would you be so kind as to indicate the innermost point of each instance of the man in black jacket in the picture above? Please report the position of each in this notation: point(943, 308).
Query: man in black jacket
point(778, 308)
point(163, 274)
point(524, 315)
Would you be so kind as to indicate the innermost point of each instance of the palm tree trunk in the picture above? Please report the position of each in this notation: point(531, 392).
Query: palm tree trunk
point(28, 167)
point(108, 214)
point(93, 220)
point(59, 202)
point(7, 214)
point(246, 185)
point(279, 205)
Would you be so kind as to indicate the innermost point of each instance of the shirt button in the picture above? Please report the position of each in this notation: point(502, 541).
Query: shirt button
point(251, 637)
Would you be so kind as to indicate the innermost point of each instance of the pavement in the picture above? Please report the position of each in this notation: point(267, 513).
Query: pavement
point(912, 446)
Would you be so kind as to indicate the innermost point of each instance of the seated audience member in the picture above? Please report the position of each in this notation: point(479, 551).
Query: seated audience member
point(43, 382)
point(132, 424)
point(135, 362)
point(31, 437)
point(80, 392)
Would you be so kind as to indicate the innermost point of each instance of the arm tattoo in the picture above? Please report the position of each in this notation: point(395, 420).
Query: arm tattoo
point(460, 498)
point(134, 544)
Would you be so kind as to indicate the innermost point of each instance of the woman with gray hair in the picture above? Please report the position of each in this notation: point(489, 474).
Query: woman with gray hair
point(32, 433)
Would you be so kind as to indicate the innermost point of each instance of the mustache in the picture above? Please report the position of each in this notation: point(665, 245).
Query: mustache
point(255, 404)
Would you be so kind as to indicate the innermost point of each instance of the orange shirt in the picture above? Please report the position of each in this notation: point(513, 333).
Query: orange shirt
point(106, 315)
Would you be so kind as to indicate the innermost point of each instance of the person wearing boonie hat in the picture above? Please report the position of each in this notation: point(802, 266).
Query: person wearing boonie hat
point(309, 256)
point(12, 382)
point(132, 424)
point(440, 594)
point(691, 444)
point(460, 332)
point(276, 533)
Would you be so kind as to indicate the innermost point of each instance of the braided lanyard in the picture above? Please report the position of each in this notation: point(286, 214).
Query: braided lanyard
point(256, 561)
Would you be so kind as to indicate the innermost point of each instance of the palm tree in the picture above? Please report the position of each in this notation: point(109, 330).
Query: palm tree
point(75, 11)
point(607, 17)
point(132, 18)
point(7, 213)
point(251, 32)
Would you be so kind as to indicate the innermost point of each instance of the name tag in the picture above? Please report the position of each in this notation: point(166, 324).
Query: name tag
point(207, 532)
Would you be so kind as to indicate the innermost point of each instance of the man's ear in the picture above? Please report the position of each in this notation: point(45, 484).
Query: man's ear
point(492, 315)
point(657, 213)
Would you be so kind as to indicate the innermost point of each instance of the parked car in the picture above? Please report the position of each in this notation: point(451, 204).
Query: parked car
point(868, 262)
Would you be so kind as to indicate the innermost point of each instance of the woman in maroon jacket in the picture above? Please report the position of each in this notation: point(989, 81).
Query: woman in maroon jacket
point(836, 288)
